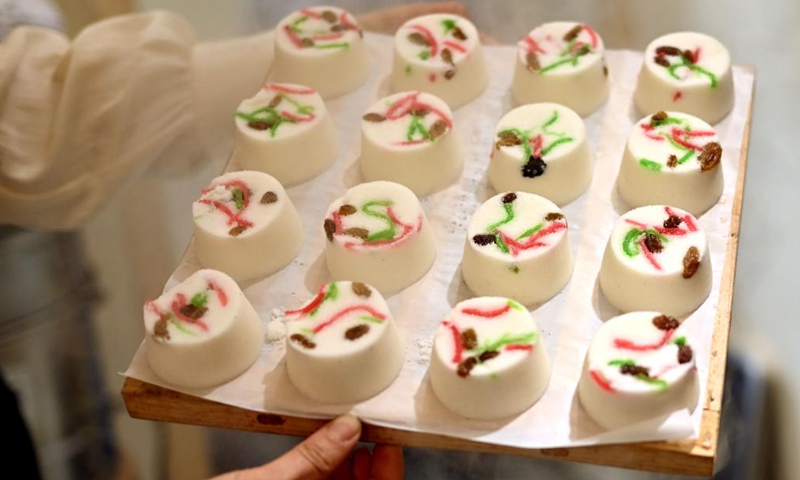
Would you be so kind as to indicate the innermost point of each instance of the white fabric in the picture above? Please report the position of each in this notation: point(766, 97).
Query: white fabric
point(79, 120)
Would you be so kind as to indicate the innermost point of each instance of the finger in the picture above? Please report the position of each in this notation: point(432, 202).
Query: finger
point(318, 456)
point(390, 19)
point(362, 459)
point(387, 463)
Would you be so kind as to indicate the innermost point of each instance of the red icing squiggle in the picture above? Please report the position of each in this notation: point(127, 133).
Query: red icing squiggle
point(298, 119)
point(533, 241)
point(451, 44)
point(293, 37)
point(223, 297)
point(518, 347)
point(355, 308)
point(429, 37)
point(592, 34)
point(277, 87)
point(649, 255)
point(232, 217)
point(313, 304)
point(601, 381)
point(532, 46)
point(687, 219)
point(459, 349)
point(624, 344)
point(648, 132)
point(487, 313)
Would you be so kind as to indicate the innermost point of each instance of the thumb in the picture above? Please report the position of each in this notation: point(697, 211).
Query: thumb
point(318, 456)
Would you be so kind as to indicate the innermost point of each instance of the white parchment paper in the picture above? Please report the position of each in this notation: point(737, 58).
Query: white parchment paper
point(568, 321)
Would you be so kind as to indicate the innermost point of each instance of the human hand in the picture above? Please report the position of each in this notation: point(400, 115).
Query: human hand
point(327, 455)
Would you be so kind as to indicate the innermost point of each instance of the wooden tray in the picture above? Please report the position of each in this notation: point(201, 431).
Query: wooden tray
point(684, 457)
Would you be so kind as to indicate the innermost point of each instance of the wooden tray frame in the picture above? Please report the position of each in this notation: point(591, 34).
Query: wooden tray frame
point(683, 457)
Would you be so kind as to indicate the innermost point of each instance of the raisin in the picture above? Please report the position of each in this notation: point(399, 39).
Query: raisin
point(667, 50)
point(356, 332)
point(361, 290)
point(258, 125)
point(160, 330)
point(488, 355)
point(361, 233)
point(420, 112)
point(605, 71)
point(672, 161)
point(193, 312)
point(710, 157)
point(418, 39)
point(658, 117)
point(469, 339)
point(509, 197)
point(269, 197)
point(307, 42)
point(535, 167)
point(276, 100)
point(573, 33)
point(330, 228)
point(673, 221)
point(450, 74)
point(347, 209)
point(484, 239)
point(466, 366)
point(437, 129)
point(653, 243)
point(447, 56)
point(507, 139)
point(685, 354)
point(459, 34)
point(634, 370)
point(374, 117)
point(690, 262)
point(553, 216)
point(665, 322)
point(303, 341)
point(339, 28)
point(532, 62)
point(237, 230)
point(329, 16)
point(662, 61)
point(688, 55)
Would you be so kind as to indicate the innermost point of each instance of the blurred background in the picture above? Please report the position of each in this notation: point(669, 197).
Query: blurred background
point(131, 251)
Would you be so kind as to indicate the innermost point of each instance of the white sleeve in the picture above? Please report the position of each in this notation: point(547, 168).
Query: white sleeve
point(129, 94)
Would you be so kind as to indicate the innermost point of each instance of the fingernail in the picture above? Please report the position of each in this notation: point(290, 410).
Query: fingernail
point(345, 427)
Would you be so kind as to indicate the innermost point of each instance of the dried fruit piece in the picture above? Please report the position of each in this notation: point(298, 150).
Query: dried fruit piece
point(420, 112)
point(685, 354)
point(347, 209)
point(269, 197)
point(484, 239)
point(160, 330)
point(673, 221)
point(459, 34)
point(193, 312)
point(329, 16)
point(307, 42)
point(532, 62)
point(573, 33)
point(418, 39)
point(276, 100)
point(553, 216)
point(662, 61)
point(605, 70)
point(374, 117)
point(665, 322)
point(672, 161)
point(535, 167)
point(469, 339)
point(668, 50)
point(507, 139)
point(339, 28)
point(710, 157)
point(357, 232)
point(259, 125)
point(488, 355)
point(361, 289)
point(438, 128)
point(303, 341)
point(466, 366)
point(449, 74)
point(330, 228)
point(237, 230)
point(653, 243)
point(690, 262)
point(447, 56)
point(634, 370)
point(688, 55)
point(356, 332)
point(658, 117)
point(509, 197)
